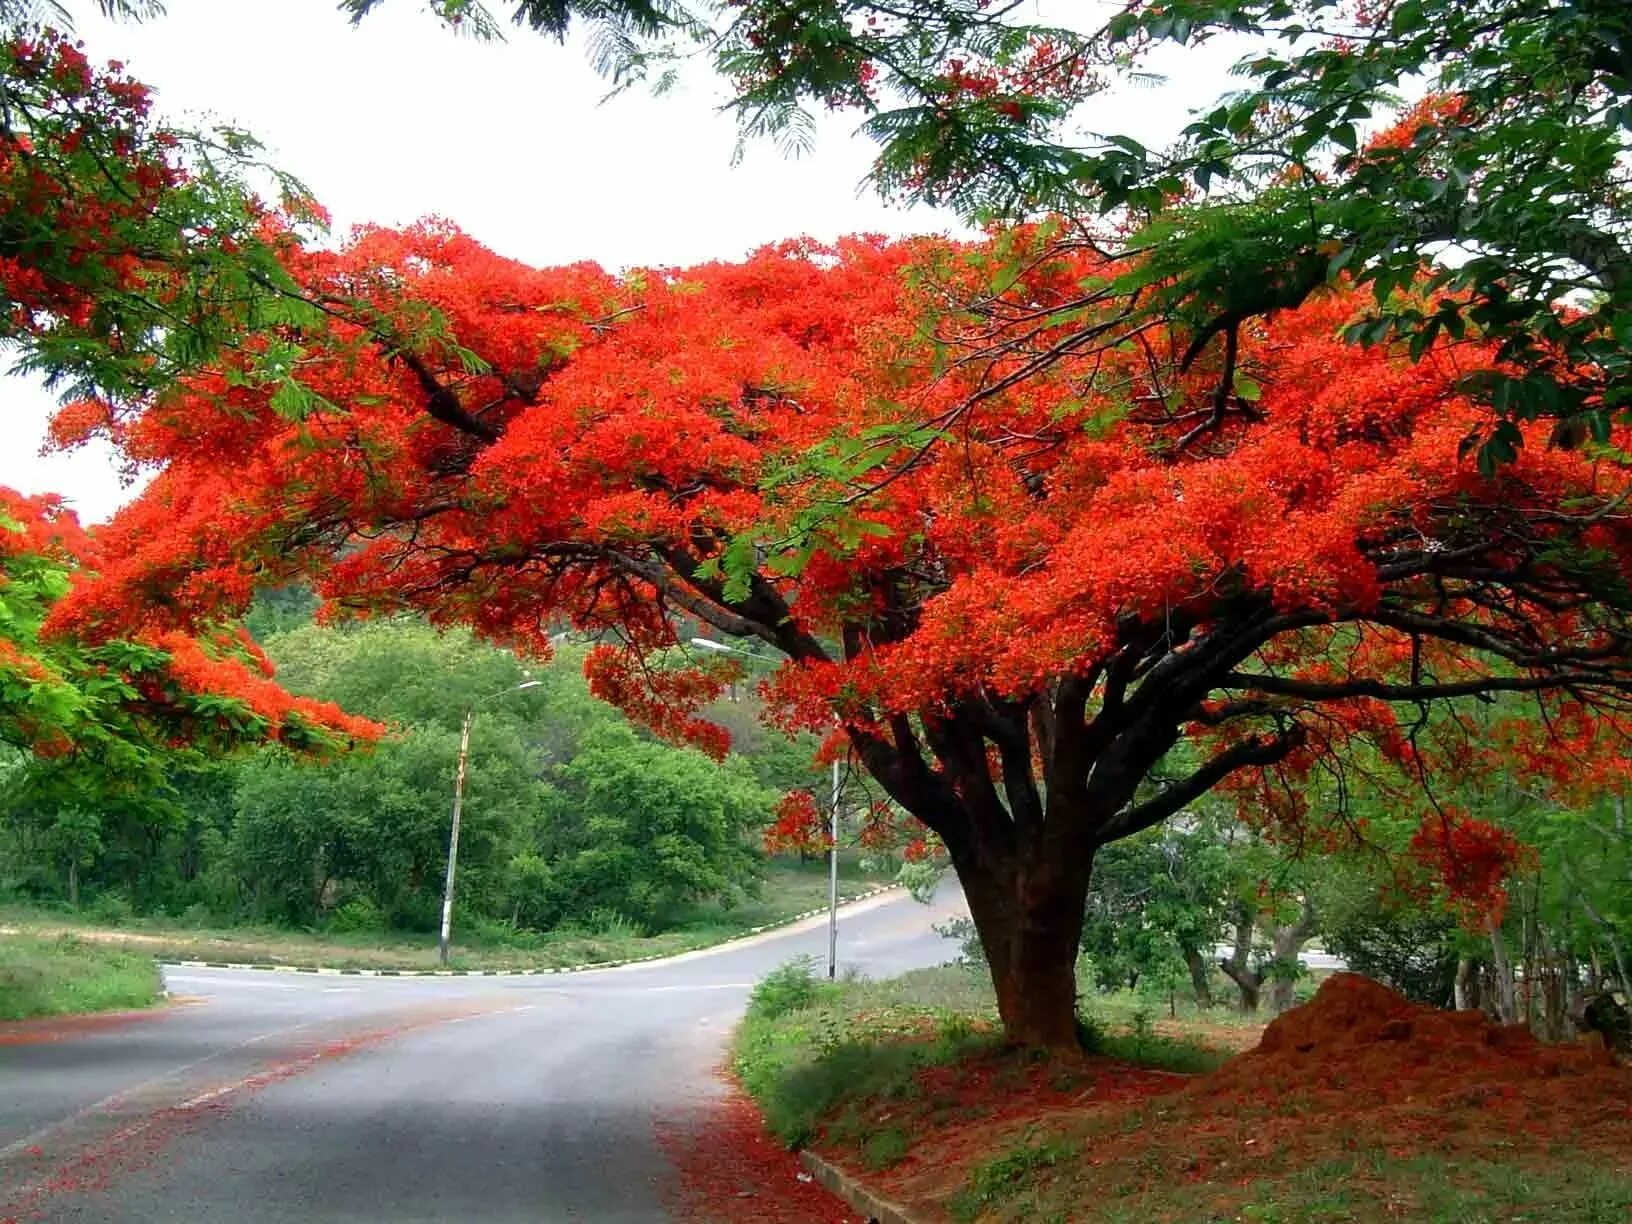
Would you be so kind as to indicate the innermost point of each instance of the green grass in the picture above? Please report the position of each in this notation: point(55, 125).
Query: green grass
point(789, 888)
point(64, 975)
point(1005, 1176)
point(1368, 1186)
point(817, 1054)
point(805, 1051)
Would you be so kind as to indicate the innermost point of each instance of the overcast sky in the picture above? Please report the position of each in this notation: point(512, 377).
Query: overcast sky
point(400, 119)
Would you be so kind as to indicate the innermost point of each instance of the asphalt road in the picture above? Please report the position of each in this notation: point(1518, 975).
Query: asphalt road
point(291, 1097)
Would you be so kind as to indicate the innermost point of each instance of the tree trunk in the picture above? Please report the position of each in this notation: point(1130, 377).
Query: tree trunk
point(73, 883)
point(1286, 943)
point(1198, 978)
point(1507, 1002)
point(1465, 991)
point(1029, 916)
point(1239, 967)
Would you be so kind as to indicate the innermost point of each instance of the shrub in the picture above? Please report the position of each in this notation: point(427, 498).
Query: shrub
point(111, 909)
point(788, 988)
point(970, 950)
point(357, 914)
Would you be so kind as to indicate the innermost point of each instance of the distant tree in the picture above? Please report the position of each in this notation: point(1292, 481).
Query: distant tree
point(1157, 906)
point(307, 838)
point(642, 829)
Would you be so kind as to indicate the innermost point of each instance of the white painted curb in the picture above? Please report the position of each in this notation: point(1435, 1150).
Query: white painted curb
point(639, 960)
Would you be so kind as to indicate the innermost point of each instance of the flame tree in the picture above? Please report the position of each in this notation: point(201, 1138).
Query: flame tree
point(1053, 594)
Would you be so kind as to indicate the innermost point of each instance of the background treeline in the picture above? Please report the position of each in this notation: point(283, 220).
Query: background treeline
point(1207, 910)
point(571, 815)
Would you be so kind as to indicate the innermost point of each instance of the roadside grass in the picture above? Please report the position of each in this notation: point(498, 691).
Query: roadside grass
point(1062, 1177)
point(789, 888)
point(63, 975)
point(846, 1062)
point(906, 1083)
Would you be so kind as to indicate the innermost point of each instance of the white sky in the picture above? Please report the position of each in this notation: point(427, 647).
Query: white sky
point(400, 119)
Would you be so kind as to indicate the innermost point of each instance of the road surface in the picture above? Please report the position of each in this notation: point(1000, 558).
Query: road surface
point(293, 1097)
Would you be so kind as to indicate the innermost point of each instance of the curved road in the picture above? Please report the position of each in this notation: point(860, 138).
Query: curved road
point(296, 1097)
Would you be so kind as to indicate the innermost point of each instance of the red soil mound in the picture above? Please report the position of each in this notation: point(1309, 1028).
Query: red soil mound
point(1382, 1051)
point(1354, 1017)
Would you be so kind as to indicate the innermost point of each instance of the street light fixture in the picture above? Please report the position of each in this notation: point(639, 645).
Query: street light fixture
point(458, 805)
point(833, 829)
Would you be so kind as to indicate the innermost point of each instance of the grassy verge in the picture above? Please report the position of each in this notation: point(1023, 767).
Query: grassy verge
point(789, 889)
point(822, 1058)
point(64, 975)
point(905, 1083)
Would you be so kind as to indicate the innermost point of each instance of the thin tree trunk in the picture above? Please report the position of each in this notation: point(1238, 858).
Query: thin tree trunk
point(1286, 943)
point(73, 883)
point(1238, 968)
point(1507, 1003)
point(1464, 993)
point(1617, 950)
point(1198, 978)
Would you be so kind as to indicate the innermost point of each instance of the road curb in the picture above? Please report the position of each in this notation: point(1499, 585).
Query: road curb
point(877, 1208)
point(329, 971)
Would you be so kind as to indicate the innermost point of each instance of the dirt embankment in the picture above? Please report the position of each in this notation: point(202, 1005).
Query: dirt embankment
point(1356, 1082)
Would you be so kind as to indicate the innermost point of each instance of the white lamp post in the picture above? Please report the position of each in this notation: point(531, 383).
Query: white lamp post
point(833, 834)
point(458, 805)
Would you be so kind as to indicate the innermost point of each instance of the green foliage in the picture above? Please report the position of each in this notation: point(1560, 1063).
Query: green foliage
point(642, 829)
point(51, 977)
point(1153, 897)
point(788, 988)
point(570, 819)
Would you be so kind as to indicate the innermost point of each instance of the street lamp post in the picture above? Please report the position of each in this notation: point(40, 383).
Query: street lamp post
point(833, 834)
point(458, 807)
point(833, 880)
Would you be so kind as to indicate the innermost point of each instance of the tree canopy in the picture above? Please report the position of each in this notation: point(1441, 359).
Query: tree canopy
point(1021, 584)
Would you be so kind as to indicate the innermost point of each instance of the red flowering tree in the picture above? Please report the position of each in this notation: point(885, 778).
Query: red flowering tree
point(132, 250)
point(117, 709)
point(1054, 592)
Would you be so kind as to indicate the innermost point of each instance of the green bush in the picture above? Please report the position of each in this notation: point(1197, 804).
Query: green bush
point(788, 988)
point(111, 909)
point(357, 914)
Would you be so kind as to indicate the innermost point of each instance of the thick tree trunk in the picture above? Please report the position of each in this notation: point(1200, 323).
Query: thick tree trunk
point(1029, 916)
point(1198, 978)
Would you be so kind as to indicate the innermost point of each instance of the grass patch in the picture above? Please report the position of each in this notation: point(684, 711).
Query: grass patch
point(63, 975)
point(1005, 1176)
point(809, 1047)
point(847, 1061)
point(789, 888)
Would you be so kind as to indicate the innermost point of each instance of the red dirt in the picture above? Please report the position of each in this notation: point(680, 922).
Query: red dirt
point(1359, 1060)
point(731, 1169)
point(1359, 1037)
point(68, 1028)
